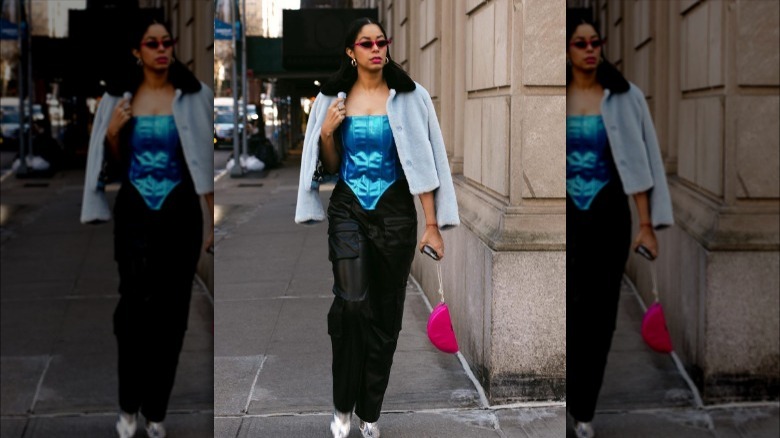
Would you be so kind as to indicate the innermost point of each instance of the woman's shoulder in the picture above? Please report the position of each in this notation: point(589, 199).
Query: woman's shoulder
point(322, 100)
point(205, 91)
point(420, 91)
point(419, 95)
point(633, 96)
point(634, 91)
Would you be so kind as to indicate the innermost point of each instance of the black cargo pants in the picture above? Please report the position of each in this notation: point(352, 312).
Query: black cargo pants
point(372, 253)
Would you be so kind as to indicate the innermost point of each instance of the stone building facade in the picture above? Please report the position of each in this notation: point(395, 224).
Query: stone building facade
point(711, 72)
point(494, 69)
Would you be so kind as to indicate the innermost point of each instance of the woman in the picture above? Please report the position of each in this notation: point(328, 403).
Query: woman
point(611, 152)
point(384, 142)
point(157, 141)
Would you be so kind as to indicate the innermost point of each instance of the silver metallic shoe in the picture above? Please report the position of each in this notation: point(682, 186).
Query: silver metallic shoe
point(584, 430)
point(369, 430)
point(126, 425)
point(155, 430)
point(340, 424)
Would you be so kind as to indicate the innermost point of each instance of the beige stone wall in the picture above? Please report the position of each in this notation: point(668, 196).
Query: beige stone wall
point(710, 71)
point(194, 48)
point(494, 71)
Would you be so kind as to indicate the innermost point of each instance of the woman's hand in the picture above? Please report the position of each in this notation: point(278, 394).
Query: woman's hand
point(333, 118)
point(432, 238)
point(646, 237)
point(121, 115)
point(208, 244)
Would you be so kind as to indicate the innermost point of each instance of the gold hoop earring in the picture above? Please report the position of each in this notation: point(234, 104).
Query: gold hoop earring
point(387, 60)
point(354, 63)
point(138, 62)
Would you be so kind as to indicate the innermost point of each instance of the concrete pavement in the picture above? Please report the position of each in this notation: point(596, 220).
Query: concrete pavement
point(58, 292)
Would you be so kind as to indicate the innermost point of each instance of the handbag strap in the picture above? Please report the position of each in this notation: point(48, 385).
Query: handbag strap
point(653, 278)
point(441, 288)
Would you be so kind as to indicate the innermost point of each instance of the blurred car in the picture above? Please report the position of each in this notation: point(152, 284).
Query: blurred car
point(223, 128)
point(9, 121)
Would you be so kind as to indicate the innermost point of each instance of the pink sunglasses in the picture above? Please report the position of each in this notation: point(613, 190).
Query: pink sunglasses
point(369, 44)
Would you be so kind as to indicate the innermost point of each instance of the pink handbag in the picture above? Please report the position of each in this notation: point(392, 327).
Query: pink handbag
point(440, 330)
point(654, 331)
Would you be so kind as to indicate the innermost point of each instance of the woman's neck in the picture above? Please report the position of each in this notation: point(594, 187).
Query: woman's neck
point(370, 82)
point(155, 80)
point(583, 80)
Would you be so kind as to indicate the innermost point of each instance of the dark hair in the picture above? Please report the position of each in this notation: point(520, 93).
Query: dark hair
point(606, 73)
point(345, 77)
point(128, 76)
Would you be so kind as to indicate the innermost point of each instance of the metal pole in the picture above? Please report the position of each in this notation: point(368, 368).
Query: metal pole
point(20, 87)
point(244, 85)
point(30, 87)
point(237, 170)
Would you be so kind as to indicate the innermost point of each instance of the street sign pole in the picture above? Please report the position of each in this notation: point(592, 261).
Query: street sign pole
point(236, 170)
point(20, 89)
point(244, 85)
point(30, 87)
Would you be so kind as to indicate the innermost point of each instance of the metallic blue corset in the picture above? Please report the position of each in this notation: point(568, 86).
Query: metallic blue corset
point(370, 164)
point(155, 162)
point(588, 159)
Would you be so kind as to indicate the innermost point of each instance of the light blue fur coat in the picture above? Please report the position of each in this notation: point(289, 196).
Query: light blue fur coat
point(420, 148)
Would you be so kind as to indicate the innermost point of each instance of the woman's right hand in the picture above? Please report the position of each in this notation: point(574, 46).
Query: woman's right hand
point(121, 115)
point(335, 115)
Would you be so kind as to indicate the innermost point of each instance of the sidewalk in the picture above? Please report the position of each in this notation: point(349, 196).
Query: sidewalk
point(272, 350)
point(58, 353)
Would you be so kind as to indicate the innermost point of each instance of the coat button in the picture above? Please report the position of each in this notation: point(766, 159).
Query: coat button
point(408, 162)
point(399, 127)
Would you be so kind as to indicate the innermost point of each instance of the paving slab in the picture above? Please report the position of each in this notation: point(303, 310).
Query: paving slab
point(244, 328)
point(233, 380)
point(746, 421)
point(539, 422)
point(189, 424)
point(19, 380)
point(12, 427)
point(227, 427)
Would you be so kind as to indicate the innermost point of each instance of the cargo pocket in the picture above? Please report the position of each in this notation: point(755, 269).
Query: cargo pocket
point(334, 318)
point(343, 241)
point(400, 231)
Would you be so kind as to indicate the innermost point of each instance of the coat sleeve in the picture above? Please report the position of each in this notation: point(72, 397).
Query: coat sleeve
point(309, 208)
point(444, 196)
point(659, 197)
point(205, 113)
point(94, 205)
